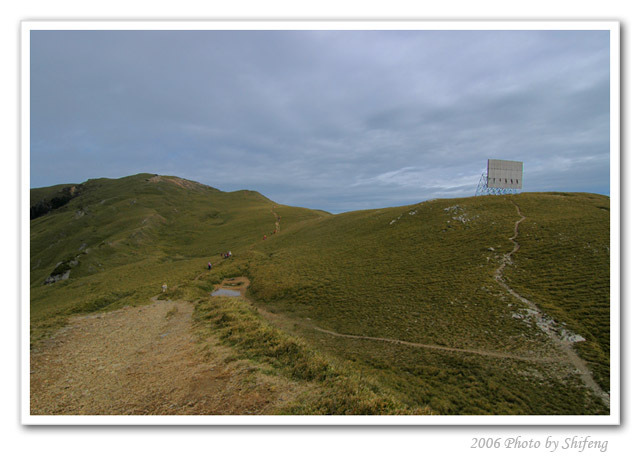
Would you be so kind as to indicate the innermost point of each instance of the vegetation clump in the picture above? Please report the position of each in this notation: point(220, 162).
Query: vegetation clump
point(236, 323)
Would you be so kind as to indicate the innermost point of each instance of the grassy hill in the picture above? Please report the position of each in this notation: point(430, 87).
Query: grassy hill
point(419, 275)
point(121, 239)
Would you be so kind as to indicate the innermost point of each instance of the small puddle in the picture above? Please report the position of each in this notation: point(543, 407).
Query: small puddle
point(225, 292)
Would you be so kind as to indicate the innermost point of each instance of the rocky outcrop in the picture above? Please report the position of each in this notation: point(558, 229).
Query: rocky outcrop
point(63, 268)
point(57, 277)
point(61, 198)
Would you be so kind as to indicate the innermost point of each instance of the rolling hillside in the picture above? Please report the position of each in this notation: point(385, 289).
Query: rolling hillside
point(120, 239)
point(395, 310)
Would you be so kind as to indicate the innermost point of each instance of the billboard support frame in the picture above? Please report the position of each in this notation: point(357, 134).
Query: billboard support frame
point(484, 189)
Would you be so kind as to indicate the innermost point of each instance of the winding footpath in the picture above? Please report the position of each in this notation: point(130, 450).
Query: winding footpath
point(563, 344)
point(491, 354)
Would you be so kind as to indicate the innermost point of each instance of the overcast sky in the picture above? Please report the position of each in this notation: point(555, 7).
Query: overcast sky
point(333, 120)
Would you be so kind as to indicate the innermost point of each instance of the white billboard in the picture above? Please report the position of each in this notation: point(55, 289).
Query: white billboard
point(504, 174)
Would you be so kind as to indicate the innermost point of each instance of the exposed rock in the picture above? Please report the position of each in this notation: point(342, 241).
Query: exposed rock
point(61, 198)
point(58, 277)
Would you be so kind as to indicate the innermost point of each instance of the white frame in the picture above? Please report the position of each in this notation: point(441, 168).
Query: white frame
point(612, 419)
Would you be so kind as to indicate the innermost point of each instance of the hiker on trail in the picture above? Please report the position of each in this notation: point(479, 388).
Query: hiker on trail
point(264, 238)
point(229, 253)
point(209, 266)
point(164, 287)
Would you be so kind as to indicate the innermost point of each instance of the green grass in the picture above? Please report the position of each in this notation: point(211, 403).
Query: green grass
point(422, 273)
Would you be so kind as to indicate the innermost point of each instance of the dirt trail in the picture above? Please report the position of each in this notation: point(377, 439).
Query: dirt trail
point(491, 354)
point(563, 344)
point(277, 219)
point(146, 360)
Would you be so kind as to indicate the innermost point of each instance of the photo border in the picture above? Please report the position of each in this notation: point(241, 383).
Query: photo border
point(614, 163)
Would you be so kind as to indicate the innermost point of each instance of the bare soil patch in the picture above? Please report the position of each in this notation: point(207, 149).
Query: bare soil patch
point(146, 360)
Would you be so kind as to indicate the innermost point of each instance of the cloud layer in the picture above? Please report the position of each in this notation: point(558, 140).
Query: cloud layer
point(334, 120)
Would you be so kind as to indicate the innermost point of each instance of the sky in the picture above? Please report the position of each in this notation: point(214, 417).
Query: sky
point(331, 120)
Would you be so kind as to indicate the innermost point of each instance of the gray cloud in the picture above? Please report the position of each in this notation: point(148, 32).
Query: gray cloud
point(326, 119)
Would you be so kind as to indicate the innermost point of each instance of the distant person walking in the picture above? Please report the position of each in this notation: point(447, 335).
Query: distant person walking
point(164, 287)
point(264, 238)
point(209, 266)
